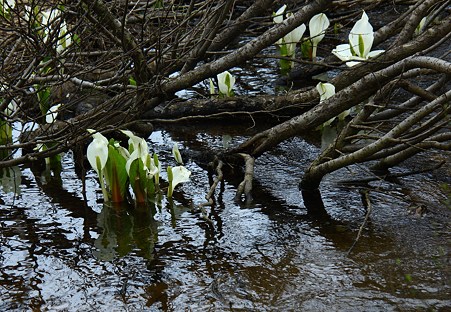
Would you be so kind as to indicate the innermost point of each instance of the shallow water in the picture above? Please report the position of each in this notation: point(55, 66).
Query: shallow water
point(62, 253)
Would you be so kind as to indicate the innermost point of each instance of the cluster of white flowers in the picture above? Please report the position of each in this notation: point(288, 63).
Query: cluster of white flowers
point(141, 168)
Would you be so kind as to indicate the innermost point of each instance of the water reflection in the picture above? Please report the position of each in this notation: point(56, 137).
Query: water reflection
point(10, 179)
point(60, 252)
point(125, 229)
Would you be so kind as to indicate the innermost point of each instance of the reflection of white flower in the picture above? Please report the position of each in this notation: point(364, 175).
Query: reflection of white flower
point(360, 43)
point(317, 26)
point(10, 179)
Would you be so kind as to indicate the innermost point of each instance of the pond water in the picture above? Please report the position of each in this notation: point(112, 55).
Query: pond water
point(61, 252)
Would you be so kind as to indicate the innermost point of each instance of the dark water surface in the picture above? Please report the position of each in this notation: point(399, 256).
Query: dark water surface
point(59, 252)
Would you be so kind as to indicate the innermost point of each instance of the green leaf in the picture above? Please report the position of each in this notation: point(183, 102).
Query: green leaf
point(283, 49)
point(116, 174)
point(361, 46)
point(170, 176)
point(138, 180)
point(6, 136)
point(159, 4)
point(306, 49)
point(285, 66)
point(44, 99)
point(227, 82)
point(352, 49)
point(98, 164)
point(157, 175)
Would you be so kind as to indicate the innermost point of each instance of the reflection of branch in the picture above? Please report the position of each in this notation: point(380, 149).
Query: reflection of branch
point(368, 205)
point(218, 178)
point(391, 176)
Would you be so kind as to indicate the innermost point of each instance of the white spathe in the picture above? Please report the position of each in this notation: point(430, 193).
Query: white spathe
point(52, 19)
point(420, 27)
point(317, 27)
point(97, 149)
point(361, 37)
point(290, 40)
point(179, 175)
point(176, 154)
point(360, 43)
point(52, 113)
point(278, 16)
point(225, 83)
point(325, 90)
point(65, 38)
point(8, 4)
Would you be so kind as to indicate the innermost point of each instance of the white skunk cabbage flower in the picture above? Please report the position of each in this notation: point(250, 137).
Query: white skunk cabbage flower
point(288, 43)
point(278, 16)
point(420, 27)
point(325, 90)
point(6, 5)
point(317, 26)
point(225, 83)
point(177, 175)
point(292, 38)
point(52, 113)
point(176, 154)
point(140, 150)
point(51, 19)
point(360, 43)
point(65, 39)
point(97, 152)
